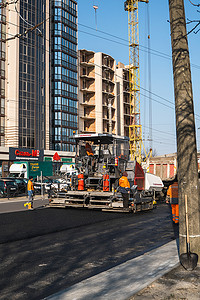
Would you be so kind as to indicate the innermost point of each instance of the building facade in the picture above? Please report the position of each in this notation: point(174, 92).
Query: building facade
point(2, 73)
point(97, 102)
point(103, 94)
point(25, 124)
point(38, 74)
point(63, 74)
point(38, 61)
point(123, 99)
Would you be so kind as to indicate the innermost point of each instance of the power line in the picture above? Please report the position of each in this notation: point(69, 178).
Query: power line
point(122, 39)
point(5, 4)
point(144, 90)
point(122, 78)
point(152, 93)
point(18, 35)
point(157, 53)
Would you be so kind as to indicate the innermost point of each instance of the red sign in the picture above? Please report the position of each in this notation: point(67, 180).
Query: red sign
point(34, 153)
point(56, 157)
point(25, 154)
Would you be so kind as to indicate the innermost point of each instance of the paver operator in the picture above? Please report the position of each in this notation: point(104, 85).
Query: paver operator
point(88, 149)
point(124, 188)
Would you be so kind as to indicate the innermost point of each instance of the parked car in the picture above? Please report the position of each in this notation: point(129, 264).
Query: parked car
point(37, 186)
point(21, 184)
point(59, 184)
point(8, 188)
point(53, 184)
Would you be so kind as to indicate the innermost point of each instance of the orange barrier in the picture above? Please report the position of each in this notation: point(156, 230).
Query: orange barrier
point(106, 179)
point(80, 182)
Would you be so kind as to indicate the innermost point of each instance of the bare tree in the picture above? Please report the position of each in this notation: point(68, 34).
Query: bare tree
point(195, 27)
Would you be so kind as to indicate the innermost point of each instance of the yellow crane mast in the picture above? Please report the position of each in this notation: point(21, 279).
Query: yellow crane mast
point(135, 128)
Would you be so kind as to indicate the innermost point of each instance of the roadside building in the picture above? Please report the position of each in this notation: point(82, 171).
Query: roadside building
point(63, 75)
point(103, 94)
point(123, 99)
point(38, 56)
point(97, 102)
point(165, 166)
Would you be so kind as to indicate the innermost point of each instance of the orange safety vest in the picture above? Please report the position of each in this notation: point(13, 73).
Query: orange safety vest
point(123, 182)
point(30, 186)
point(88, 149)
point(172, 192)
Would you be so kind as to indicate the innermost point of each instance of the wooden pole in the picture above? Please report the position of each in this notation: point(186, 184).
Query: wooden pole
point(185, 129)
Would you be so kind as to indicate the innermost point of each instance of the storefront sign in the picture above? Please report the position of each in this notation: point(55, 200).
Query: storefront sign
point(25, 154)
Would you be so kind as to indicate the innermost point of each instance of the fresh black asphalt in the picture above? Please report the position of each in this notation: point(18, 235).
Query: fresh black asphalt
point(47, 250)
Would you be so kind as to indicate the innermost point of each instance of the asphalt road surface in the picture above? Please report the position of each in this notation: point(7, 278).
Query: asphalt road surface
point(47, 250)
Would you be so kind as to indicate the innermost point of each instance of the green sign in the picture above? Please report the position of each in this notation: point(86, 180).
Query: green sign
point(66, 159)
point(47, 159)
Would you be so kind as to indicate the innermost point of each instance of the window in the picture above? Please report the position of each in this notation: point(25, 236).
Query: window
point(25, 68)
point(25, 86)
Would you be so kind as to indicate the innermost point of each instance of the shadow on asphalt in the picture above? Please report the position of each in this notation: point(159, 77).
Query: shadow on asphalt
point(72, 245)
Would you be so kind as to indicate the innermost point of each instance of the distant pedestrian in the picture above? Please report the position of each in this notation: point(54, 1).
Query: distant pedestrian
point(124, 188)
point(30, 189)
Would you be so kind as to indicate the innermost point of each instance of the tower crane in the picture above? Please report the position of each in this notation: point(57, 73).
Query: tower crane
point(135, 128)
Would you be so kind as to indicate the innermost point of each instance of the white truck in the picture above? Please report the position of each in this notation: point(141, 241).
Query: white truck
point(153, 183)
point(68, 170)
point(26, 169)
point(18, 170)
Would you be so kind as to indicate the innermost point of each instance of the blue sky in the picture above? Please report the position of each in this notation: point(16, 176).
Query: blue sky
point(111, 37)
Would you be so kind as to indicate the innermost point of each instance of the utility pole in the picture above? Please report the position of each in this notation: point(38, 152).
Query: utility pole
point(185, 129)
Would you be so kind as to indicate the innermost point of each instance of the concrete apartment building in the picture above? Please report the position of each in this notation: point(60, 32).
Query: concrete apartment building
point(97, 102)
point(123, 98)
point(103, 94)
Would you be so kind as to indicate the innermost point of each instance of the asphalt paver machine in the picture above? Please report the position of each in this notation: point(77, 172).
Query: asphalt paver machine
point(100, 161)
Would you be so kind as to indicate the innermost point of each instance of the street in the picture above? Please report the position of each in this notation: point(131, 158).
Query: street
point(51, 249)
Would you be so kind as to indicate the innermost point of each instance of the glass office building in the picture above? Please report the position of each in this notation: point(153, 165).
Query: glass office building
point(39, 81)
point(32, 75)
point(2, 73)
point(63, 74)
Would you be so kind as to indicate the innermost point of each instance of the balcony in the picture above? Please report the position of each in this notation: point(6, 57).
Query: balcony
point(87, 63)
point(88, 104)
point(107, 68)
point(87, 117)
point(87, 77)
point(108, 80)
point(87, 88)
point(108, 92)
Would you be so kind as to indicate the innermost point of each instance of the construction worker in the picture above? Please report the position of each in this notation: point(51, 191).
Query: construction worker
point(91, 160)
point(88, 149)
point(124, 188)
point(172, 195)
point(30, 189)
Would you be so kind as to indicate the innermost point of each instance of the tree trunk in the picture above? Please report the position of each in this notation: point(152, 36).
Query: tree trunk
point(185, 129)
